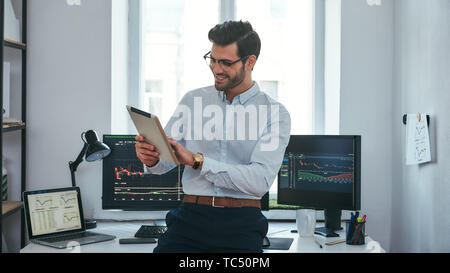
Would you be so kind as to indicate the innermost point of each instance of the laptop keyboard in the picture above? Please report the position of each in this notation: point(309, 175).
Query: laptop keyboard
point(67, 237)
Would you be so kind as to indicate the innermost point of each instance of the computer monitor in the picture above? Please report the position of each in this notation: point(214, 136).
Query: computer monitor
point(322, 172)
point(127, 187)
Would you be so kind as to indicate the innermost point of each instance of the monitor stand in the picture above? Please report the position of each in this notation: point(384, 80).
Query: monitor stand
point(332, 223)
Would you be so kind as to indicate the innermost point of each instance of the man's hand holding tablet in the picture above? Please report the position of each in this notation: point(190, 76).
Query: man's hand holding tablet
point(146, 152)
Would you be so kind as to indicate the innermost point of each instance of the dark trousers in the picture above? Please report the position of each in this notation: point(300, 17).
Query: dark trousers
point(206, 229)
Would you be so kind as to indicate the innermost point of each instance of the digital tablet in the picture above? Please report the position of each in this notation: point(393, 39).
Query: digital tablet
point(148, 126)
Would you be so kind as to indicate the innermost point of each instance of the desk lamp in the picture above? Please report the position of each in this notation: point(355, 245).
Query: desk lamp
point(93, 150)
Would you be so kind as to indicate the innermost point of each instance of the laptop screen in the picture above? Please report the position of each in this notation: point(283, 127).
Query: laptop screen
point(53, 212)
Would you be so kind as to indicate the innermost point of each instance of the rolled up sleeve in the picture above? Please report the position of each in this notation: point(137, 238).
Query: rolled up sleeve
point(161, 167)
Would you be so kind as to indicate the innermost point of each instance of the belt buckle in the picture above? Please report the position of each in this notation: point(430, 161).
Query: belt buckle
point(213, 203)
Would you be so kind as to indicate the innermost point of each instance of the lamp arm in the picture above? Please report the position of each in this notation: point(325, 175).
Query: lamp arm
point(74, 165)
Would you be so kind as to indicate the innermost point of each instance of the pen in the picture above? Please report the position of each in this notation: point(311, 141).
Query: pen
point(318, 244)
point(350, 226)
point(359, 231)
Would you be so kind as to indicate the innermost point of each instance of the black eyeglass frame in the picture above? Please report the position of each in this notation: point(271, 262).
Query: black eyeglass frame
point(224, 62)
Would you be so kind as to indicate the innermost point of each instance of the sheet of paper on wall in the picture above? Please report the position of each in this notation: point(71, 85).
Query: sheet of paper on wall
point(417, 139)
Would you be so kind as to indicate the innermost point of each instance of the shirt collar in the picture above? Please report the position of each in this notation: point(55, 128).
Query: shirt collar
point(244, 97)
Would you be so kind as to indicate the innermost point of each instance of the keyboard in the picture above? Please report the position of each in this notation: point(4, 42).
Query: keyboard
point(147, 231)
point(75, 236)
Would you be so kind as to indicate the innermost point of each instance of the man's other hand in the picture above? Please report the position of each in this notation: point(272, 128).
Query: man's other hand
point(185, 156)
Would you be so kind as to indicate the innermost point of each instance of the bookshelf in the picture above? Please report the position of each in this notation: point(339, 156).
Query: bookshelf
point(11, 207)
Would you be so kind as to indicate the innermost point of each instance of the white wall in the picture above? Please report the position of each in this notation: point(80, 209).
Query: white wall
point(69, 91)
point(366, 104)
point(70, 68)
point(421, 203)
point(119, 65)
point(332, 71)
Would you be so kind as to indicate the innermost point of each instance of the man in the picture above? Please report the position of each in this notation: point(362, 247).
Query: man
point(229, 164)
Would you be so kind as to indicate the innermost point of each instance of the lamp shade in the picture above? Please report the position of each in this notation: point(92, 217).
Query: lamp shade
point(96, 150)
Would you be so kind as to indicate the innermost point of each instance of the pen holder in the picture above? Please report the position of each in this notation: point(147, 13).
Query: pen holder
point(355, 233)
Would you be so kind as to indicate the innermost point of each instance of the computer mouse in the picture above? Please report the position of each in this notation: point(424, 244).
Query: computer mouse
point(266, 242)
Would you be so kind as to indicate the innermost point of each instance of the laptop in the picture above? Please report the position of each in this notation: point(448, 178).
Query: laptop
point(55, 218)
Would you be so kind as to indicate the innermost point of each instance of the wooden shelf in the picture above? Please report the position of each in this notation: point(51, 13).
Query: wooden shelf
point(14, 44)
point(16, 50)
point(10, 207)
point(13, 127)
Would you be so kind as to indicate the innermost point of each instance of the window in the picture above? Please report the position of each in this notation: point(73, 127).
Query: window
point(153, 96)
point(270, 88)
point(286, 64)
point(175, 39)
point(171, 38)
point(285, 69)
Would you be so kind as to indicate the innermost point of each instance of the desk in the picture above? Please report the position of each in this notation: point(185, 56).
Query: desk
point(309, 245)
point(276, 229)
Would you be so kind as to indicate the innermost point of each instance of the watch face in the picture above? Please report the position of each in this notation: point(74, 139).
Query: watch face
point(197, 157)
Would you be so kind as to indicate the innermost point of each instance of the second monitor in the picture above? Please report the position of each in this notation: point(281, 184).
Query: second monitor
point(322, 172)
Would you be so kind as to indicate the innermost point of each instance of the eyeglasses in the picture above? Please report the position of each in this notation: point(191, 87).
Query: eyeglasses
point(224, 64)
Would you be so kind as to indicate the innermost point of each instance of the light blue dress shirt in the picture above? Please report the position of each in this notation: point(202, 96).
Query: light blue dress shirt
point(243, 142)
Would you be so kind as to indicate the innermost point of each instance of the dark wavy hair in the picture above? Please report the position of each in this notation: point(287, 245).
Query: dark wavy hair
point(247, 39)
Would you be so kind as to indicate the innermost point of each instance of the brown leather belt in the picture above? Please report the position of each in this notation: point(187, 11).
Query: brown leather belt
point(221, 202)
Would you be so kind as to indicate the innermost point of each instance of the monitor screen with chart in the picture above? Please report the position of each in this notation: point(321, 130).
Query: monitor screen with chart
point(321, 172)
point(127, 187)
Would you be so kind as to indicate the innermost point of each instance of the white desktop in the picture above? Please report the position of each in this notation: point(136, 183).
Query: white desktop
point(314, 244)
point(336, 183)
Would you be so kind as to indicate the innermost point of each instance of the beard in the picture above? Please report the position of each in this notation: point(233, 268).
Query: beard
point(231, 82)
